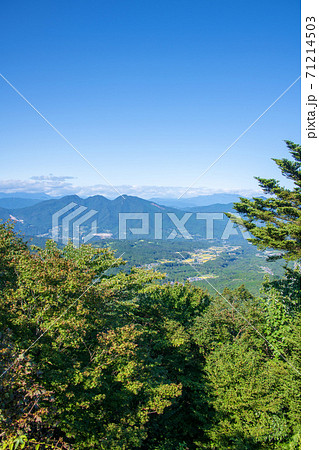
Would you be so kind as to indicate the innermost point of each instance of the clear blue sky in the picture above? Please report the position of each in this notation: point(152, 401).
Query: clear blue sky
point(151, 92)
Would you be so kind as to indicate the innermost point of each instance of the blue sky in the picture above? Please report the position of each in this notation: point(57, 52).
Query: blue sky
point(151, 92)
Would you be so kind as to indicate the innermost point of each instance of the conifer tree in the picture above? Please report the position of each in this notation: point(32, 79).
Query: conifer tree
point(275, 221)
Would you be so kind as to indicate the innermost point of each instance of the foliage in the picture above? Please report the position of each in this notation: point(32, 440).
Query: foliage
point(93, 374)
point(275, 222)
point(253, 389)
point(97, 357)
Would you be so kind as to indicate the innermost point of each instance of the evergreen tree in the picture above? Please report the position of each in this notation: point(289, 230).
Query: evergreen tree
point(275, 222)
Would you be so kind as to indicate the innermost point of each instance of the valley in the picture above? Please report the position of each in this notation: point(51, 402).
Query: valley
point(207, 264)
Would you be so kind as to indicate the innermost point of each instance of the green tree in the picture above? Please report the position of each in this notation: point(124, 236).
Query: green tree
point(275, 222)
point(110, 362)
point(252, 393)
point(88, 378)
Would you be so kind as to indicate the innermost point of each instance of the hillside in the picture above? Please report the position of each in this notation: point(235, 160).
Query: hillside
point(36, 220)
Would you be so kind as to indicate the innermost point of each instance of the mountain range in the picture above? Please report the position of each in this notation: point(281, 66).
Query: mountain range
point(36, 219)
point(200, 200)
point(24, 199)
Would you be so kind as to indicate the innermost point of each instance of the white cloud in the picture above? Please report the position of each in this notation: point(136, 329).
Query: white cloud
point(51, 177)
point(47, 185)
point(57, 186)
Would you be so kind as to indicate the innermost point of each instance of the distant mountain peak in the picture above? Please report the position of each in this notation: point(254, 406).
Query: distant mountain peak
point(72, 197)
point(98, 197)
